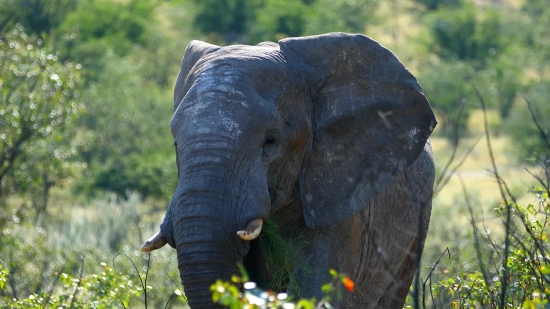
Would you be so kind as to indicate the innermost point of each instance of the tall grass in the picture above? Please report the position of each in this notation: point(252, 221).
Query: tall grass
point(83, 240)
point(494, 254)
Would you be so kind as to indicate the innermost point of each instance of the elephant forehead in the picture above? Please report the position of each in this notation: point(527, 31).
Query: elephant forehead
point(223, 110)
point(232, 80)
point(235, 88)
point(234, 67)
point(213, 107)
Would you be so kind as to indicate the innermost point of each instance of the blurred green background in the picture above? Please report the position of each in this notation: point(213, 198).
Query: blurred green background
point(86, 156)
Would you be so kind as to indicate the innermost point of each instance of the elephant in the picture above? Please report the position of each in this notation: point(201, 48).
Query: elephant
point(326, 135)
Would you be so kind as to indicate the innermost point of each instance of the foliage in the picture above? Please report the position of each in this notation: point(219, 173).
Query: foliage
point(77, 244)
point(474, 37)
point(326, 16)
point(132, 149)
point(233, 295)
point(227, 18)
point(100, 24)
point(278, 19)
point(462, 34)
point(526, 272)
point(437, 4)
point(129, 53)
point(39, 99)
point(533, 141)
point(448, 89)
point(251, 22)
point(281, 258)
point(37, 16)
point(107, 289)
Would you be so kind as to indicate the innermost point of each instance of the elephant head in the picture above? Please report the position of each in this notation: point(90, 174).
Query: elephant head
point(322, 121)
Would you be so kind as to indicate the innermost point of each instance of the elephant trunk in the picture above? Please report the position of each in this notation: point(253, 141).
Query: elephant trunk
point(208, 249)
point(199, 270)
point(220, 194)
point(204, 219)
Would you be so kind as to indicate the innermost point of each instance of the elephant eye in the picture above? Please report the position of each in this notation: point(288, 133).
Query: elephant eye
point(270, 145)
point(270, 140)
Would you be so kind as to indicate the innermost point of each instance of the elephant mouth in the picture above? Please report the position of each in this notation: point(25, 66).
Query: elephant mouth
point(272, 260)
point(255, 263)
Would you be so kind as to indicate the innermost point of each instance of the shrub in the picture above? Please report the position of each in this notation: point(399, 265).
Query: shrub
point(106, 289)
point(524, 279)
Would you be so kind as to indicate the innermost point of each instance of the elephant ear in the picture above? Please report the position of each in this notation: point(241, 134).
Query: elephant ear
point(370, 121)
point(195, 50)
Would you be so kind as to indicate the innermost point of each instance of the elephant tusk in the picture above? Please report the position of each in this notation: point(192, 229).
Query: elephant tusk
point(156, 242)
point(252, 230)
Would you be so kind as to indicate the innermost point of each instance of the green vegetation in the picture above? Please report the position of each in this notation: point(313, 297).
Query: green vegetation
point(240, 293)
point(107, 289)
point(39, 101)
point(87, 161)
point(522, 281)
point(281, 257)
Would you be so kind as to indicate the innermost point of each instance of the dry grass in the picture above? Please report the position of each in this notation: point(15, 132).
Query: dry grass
point(477, 171)
point(451, 225)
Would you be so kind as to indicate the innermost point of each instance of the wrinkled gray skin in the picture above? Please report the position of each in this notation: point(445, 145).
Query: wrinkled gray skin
point(329, 135)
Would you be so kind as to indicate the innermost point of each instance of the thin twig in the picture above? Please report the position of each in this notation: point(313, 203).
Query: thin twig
point(10, 276)
point(505, 268)
point(467, 295)
point(540, 180)
point(453, 171)
point(541, 131)
point(167, 306)
point(146, 277)
point(489, 237)
point(50, 292)
point(79, 281)
point(430, 279)
point(177, 286)
point(533, 257)
point(143, 284)
point(537, 243)
point(476, 238)
point(120, 299)
point(455, 140)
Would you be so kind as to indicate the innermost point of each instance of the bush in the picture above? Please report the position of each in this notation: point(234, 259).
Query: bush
point(80, 241)
point(523, 280)
point(106, 289)
point(39, 101)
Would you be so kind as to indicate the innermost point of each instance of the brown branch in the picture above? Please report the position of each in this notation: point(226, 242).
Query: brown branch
point(541, 131)
point(12, 153)
point(79, 281)
point(505, 268)
point(476, 238)
point(440, 186)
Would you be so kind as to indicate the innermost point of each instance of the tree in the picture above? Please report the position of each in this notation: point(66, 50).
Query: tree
point(253, 21)
point(38, 101)
point(437, 4)
point(464, 34)
point(98, 27)
point(227, 19)
point(128, 125)
point(36, 16)
point(337, 15)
